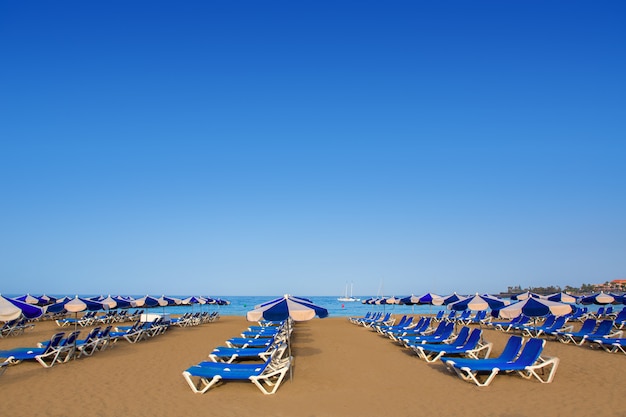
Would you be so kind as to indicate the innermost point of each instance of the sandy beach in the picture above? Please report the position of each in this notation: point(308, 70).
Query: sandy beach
point(340, 370)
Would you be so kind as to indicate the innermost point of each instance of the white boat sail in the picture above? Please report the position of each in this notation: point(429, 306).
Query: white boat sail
point(349, 298)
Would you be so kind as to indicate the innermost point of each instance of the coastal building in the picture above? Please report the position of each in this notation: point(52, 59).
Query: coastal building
point(615, 285)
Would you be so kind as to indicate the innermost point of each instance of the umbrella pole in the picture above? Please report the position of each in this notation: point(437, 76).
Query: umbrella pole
point(289, 348)
point(75, 326)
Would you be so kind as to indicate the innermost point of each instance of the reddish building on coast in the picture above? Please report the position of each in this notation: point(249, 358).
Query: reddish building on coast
point(615, 285)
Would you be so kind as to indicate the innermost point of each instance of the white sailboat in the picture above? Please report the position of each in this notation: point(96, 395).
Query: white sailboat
point(347, 298)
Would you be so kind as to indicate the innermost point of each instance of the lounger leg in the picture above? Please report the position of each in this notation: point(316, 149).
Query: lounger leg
point(467, 375)
point(579, 342)
point(431, 359)
point(551, 364)
point(202, 385)
point(268, 379)
point(43, 359)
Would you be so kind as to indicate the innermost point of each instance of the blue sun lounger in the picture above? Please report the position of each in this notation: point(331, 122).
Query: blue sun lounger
point(271, 332)
point(466, 344)
point(620, 319)
point(528, 364)
point(442, 333)
point(610, 344)
point(138, 331)
point(46, 356)
point(15, 327)
point(355, 319)
point(267, 376)
point(579, 314)
point(509, 353)
point(439, 316)
point(405, 323)
point(383, 319)
point(548, 327)
point(230, 355)
point(88, 345)
point(67, 347)
point(479, 318)
point(506, 326)
point(249, 343)
point(463, 317)
point(235, 354)
point(421, 328)
point(131, 334)
point(400, 328)
point(588, 332)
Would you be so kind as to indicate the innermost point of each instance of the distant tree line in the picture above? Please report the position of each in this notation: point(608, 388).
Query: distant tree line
point(551, 289)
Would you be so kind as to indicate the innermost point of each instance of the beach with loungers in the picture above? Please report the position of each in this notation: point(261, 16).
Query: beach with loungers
point(321, 367)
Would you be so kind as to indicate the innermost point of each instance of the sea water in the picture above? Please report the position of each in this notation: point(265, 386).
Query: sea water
point(240, 305)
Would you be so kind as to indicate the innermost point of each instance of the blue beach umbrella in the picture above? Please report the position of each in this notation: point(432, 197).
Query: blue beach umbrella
point(525, 295)
point(410, 300)
point(452, 298)
point(535, 307)
point(600, 298)
point(385, 301)
point(288, 306)
point(562, 297)
point(58, 306)
point(47, 300)
point(123, 303)
point(478, 303)
point(11, 309)
point(146, 302)
point(221, 302)
point(193, 300)
point(78, 304)
point(109, 301)
point(428, 298)
point(27, 298)
point(372, 300)
point(619, 298)
point(390, 300)
point(171, 301)
point(168, 301)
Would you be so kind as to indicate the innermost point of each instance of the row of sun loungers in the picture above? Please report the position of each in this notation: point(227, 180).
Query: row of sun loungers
point(260, 356)
point(15, 327)
point(195, 319)
point(606, 334)
point(607, 312)
point(525, 361)
point(464, 317)
point(62, 348)
point(141, 330)
point(466, 353)
point(90, 318)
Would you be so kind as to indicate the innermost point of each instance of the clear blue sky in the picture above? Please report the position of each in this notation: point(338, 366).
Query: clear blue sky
point(264, 147)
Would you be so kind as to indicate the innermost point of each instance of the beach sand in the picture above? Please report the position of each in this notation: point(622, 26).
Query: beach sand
point(340, 370)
